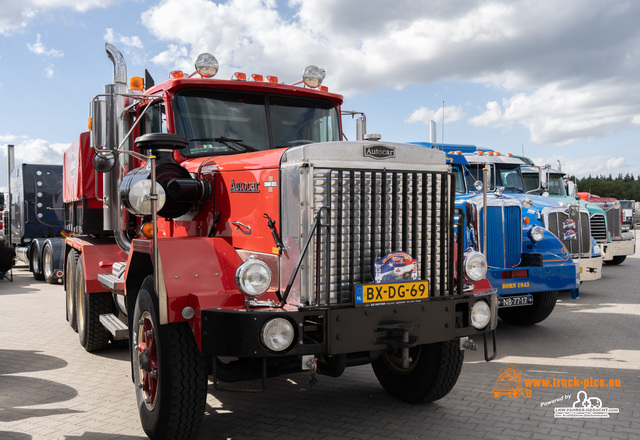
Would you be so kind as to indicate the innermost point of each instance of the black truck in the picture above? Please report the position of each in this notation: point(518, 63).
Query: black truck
point(33, 220)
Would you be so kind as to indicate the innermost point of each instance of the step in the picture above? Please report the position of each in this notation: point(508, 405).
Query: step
point(116, 327)
point(111, 282)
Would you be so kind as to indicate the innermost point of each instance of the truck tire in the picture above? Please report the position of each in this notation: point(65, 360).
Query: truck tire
point(169, 372)
point(36, 263)
point(618, 259)
point(47, 264)
point(92, 334)
point(431, 375)
point(69, 286)
point(543, 304)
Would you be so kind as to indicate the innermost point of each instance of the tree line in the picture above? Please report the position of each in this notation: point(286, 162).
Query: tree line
point(622, 187)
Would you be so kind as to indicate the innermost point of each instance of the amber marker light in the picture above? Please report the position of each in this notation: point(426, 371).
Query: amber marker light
point(257, 77)
point(89, 123)
point(147, 230)
point(526, 220)
point(176, 74)
point(136, 83)
point(239, 76)
point(272, 79)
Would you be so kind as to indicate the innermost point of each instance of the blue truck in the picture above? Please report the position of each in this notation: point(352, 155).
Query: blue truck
point(528, 264)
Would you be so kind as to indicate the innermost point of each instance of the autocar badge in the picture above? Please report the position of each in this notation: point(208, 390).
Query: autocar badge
point(379, 151)
point(395, 266)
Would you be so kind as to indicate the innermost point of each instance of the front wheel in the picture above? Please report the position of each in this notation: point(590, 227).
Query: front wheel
point(36, 266)
point(432, 372)
point(169, 372)
point(616, 260)
point(543, 304)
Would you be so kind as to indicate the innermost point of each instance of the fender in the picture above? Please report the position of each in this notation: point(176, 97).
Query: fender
point(553, 252)
point(201, 276)
point(98, 255)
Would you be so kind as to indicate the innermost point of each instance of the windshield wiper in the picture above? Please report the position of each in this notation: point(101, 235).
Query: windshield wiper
point(236, 144)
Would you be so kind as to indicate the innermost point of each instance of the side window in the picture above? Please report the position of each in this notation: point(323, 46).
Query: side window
point(155, 119)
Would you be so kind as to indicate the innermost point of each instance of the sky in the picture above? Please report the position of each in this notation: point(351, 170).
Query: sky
point(553, 80)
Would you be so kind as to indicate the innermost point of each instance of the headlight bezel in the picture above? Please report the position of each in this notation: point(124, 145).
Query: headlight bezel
point(470, 265)
point(248, 268)
point(480, 315)
point(272, 332)
point(536, 234)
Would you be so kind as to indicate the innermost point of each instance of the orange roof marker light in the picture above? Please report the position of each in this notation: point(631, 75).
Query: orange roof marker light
point(498, 153)
point(480, 153)
point(509, 155)
point(257, 77)
point(136, 83)
point(176, 74)
point(239, 76)
point(272, 79)
point(207, 65)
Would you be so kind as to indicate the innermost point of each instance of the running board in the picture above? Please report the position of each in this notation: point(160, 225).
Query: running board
point(112, 282)
point(116, 327)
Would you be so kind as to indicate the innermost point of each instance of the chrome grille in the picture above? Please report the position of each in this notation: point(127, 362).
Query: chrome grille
point(598, 228)
point(581, 246)
point(367, 214)
point(614, 222)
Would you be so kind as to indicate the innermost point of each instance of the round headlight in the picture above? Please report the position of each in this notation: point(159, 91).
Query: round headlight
point(527, 202)
point(478, 185)
point(475, 266)
point(278, 334)
point(480, 315)
point(139, 197)
point(207, 65)
point(536, 233)
point(616, 204)
point(313, 76)
point(253, 277)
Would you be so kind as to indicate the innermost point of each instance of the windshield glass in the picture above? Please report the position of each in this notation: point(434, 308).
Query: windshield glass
point(508, 177)
point(228, 122)
point(458, 177)
point(556, 186)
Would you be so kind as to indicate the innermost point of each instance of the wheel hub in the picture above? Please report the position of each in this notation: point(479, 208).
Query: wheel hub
point(147, 360)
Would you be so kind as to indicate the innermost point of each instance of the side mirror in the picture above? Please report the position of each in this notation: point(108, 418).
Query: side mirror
point(104, 161)
point(543, 177)
point(571, 189)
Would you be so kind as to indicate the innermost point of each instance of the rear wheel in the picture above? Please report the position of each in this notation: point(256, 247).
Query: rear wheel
point(432, 372)
point(543, 304)
point(616, 260)
point(47, 264)
point(93, 336)
point(36, 266)
point(69, 286)
point(169, 372)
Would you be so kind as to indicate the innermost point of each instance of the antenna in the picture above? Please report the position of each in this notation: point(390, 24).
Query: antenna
point(443, 122)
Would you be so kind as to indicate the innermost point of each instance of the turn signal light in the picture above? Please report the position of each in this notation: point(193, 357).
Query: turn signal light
point(526, 220)
point(136, 83)
point(147, 230)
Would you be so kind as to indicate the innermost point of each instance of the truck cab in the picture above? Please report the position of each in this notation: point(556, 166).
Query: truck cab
point(521, 253)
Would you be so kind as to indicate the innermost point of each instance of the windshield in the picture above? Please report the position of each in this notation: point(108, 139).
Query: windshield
point(556, 184)
point(227, 122)
point(505, 176)
point(458, 176)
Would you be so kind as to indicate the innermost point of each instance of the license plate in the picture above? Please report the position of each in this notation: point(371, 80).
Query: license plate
point(514, 301)
point(369, 294)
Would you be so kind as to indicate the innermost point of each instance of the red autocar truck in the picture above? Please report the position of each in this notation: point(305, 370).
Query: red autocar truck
point(232, 234)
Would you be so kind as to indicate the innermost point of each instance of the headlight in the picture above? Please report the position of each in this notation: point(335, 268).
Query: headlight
point(139, 197)
point(475, 265)
point(253, 277)
point(527, 202)
point(536, 233)
point(313, 76)
point(278, 334)
point(596, 250)
point(480, 315)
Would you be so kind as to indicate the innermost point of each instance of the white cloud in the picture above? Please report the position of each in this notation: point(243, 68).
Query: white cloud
point(17, 15)
point(39, 49)
point(130, 42)
point(48, 71)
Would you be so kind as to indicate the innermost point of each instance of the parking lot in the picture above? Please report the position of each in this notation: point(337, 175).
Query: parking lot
point(50, 388)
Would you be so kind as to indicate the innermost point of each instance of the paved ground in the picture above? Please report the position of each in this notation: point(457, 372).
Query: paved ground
point(50, 388)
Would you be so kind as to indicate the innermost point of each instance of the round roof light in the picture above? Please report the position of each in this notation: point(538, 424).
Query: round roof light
point(313, 76)
point(207, 65)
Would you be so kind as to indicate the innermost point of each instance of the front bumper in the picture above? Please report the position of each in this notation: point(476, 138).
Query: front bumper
point(590, 268)
point(537, 279)
point(345, 330)
point(618, 248)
